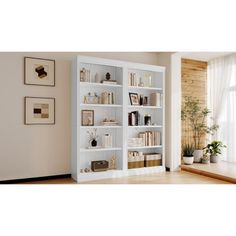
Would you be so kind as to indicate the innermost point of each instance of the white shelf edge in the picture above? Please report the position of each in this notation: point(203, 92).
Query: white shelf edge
point(99, 105)
point(144, 126)
point(100, 149)
point(144, 107)
point(144, 147)
point(102, 127)
point(84, 84)
point(144, 88)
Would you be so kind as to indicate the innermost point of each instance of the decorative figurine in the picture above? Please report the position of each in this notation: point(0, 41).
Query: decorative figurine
point(113, 163)
point(108, 76)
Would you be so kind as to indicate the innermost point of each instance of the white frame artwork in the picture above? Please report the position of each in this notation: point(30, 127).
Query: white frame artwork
point(39, 111)
point(38, 71)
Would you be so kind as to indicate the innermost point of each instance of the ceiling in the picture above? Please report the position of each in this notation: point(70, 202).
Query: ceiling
point(203, 56)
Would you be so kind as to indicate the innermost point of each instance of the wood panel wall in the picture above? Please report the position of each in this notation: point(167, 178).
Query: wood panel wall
point(193, 83)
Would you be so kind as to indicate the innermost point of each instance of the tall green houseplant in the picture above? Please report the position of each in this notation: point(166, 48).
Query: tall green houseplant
point(197, 117)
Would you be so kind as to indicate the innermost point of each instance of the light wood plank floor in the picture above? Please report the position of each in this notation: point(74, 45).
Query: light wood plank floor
point(180, 177)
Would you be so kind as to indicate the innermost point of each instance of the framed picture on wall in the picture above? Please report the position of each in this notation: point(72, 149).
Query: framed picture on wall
point(39, 111)
point(87, 117)
point(39, 71)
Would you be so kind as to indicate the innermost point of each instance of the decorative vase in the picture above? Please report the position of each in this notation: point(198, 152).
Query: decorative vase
point(214, 158)
point(198, 154)
point(94, 143)
point(188, 160)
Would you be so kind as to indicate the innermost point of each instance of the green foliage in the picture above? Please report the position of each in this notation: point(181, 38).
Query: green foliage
point(214, 148)
point(198, 119)
point(188, 150)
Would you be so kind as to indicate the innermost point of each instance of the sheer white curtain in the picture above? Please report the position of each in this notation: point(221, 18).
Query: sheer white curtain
point(222, 102)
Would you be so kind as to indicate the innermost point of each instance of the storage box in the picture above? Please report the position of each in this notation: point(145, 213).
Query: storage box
point(135, 162)
point(152, 159)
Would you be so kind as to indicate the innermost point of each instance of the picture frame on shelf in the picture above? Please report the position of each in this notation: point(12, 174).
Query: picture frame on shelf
point(87, 117)
point(134, 99)
point(39, 111)
point(38, 71)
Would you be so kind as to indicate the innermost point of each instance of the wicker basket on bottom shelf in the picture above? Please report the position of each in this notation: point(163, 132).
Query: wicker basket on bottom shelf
point(152, 159)
point(135, 160)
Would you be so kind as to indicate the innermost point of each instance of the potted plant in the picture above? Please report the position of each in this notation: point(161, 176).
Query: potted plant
point(188, 150)
point(197, 118)
point(214, 149)
point(206, 158)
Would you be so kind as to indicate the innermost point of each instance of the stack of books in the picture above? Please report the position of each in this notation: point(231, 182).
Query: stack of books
point(109, 81)
point(156, 99)
point(134, 118)
point(150, 138)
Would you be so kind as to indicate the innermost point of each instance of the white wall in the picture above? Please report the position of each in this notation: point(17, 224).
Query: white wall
point(40, 150)
point(173, 107)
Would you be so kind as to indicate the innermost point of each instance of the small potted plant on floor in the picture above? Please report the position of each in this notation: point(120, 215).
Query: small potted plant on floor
point(188, 150)
point(214, 148)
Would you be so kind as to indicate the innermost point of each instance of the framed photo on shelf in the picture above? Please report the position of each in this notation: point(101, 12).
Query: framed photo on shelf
point(38, 71)
point(39, 111)
point(87, 117)
point(134, 99)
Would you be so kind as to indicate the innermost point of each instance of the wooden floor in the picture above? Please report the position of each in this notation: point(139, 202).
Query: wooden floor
point(223, 170)
point(180, 177)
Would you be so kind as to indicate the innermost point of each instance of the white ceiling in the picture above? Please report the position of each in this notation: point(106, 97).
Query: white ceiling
point(203, 56)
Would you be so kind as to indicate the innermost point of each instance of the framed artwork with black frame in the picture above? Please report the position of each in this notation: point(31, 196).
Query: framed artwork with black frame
point(38, 71)
point(39, 111)
point(87, 117)
point(134, 99)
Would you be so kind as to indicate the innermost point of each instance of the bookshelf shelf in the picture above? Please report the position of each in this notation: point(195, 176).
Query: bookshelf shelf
point(143, 107)
point(102, 127)
point(144, 147)
point(132, 88)
point(100, 105)
point(98, 70)
point(100, 149)
point(88, 84)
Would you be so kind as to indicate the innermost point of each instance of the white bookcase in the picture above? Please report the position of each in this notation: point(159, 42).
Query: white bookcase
point(119, 71)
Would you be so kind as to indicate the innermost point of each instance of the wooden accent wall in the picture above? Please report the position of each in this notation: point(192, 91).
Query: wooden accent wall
point(194, 83)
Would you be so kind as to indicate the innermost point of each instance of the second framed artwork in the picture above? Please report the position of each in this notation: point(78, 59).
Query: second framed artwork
point(38, 71)
point(39, 111)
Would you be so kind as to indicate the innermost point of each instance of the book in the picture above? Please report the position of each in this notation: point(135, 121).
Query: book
point(109, 82)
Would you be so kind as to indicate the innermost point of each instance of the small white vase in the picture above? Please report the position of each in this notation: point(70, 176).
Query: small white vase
point(188, 160)
point(198, 154)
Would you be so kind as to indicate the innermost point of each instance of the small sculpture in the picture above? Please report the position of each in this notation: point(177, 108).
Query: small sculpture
point(113, 163)
point(108, 76)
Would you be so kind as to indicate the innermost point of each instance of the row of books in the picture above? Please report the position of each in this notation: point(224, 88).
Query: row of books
point(134, 118)
point(133, 80)
point(156, 99)
point(107, 98)
point(150, 138)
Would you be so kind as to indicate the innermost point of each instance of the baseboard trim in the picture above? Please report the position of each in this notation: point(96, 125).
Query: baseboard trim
point(18, 181)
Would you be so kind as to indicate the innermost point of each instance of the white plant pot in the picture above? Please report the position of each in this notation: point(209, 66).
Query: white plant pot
point(198, 154)
point(188, 160)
